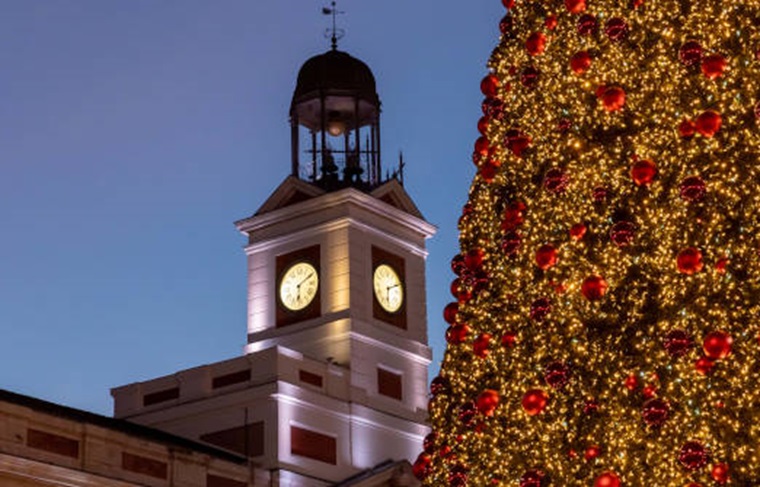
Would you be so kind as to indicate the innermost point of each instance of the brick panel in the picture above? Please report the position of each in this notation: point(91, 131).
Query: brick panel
point(53, 443)
point(311, 444)
point(144, 466)
point(235, 439)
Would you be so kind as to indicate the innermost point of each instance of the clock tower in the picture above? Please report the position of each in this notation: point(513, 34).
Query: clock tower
point(333, 379)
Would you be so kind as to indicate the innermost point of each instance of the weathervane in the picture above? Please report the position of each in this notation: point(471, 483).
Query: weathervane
point(334, 34)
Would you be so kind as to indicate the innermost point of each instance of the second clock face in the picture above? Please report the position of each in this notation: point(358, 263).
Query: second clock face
point(389, 290)
point(298, 286)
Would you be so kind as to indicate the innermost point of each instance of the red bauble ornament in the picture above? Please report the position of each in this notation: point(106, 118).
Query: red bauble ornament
point(678, 343)
point(713, 66)
point(482, 146)
point(704, 366)
point(622, 233)
point(717, 345)
point(510, 244)
point(481, 345)
point(721, 265)
point(708, 123)
point(490, 85)
point(421, 468)
point(533, 478)
point(506, 26)
point(616, 29)
point(551, 22)
point(455, 286)
point(689, 261)
point(557, 374)
point(546, 256)
point(655, 412)
point(577, 231)
point(467, 413)
point(687, 129)
point(487, 402)
point(690, 53)
point(643, 172)
point(440, 385)
point(517, 142)
point(458, 265)
point(720, 473)
point(509, 4)
point(631, 382)
point(534, 401)
point(592, 452)
point(564, 125)
point(450, 313)
point(590, 406)
point(483, 125)
point(473, 259)
point(693, 455)
point(513, 215)
point(594, 288)
point(540, 309)
point(536, 43)
point(529, 77)
point(607, 479)
point(488, 171)
point(587, 25)
point(509, 339)
point(692, 189)
point(458, 476)
point(556, 180)
point(599, 194)
point(575, 6)
point(428, 444)
point(613, 98)
point(457, 334)
point(493, 108)
point(580, 62)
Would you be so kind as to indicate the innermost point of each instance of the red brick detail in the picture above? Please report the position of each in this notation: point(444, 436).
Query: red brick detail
point(160, 396)
point(214, 481)
point(230, 379)
point(235, 439)
point(144, 466)
point(309, 378)
point(60, 445)
point(311, 444)
point(389, 384)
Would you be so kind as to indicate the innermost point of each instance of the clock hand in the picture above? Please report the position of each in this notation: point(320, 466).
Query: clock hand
point(305, 279)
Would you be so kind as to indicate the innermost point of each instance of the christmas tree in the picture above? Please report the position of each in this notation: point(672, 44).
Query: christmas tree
point(605, 325)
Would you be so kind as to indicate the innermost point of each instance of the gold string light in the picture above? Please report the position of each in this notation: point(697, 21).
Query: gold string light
point(669, 252)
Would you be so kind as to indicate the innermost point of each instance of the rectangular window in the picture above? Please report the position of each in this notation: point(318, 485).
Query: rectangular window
point(230, 379)
point(160, 396)
point(389, 384)
point(143, 465)
point(309, 378)
point(59, 445)
point(247, 441)
point(311, 444)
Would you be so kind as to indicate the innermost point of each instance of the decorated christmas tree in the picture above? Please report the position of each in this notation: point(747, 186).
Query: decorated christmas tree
point(604, 330)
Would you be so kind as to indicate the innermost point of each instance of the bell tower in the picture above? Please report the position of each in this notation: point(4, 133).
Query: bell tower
point(333, 379)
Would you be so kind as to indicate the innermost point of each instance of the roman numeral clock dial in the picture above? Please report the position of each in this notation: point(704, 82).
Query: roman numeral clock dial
point(298, 286)
point(389, 290)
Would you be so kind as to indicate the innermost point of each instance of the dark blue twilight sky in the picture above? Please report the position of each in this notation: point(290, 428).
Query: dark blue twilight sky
point(134, 132)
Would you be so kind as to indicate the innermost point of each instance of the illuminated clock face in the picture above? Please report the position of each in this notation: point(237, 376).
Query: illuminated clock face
point(299, 286)
point(389, 290)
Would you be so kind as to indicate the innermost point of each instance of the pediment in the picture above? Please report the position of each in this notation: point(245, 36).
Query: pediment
point(393, 193)
point(289, 192)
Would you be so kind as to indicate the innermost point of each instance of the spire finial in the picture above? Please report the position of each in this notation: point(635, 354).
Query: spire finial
point(335, 33)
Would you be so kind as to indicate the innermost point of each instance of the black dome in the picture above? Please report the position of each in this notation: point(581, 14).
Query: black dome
point(335, 72)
